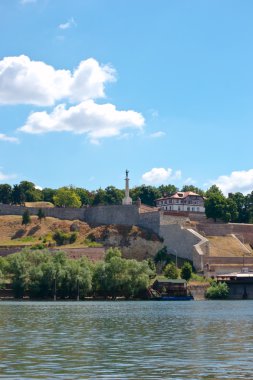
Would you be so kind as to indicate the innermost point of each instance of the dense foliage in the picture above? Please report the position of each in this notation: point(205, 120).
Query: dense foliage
point(171, 271)
point(236, 207)
point(217, 290)
point(42, 274)
point(186, 271)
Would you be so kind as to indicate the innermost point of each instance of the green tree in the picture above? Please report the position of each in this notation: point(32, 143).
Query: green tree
point(186, 271)
point(113, 196)
point(5, 193)
point(66, 197)
point(48, 194)
point(147, 194)
point(85, 196)
point(231, 211)
point(171, 271)
point(214, 189)
point(167, 190)
point(215, 206)
point(26, 218)
point(240, 201)
point(19, 268)
point(162, 258)
point(194, 189)
point(99, 197)
point(18, 195)
point(121, 277)
point(249, 207)
point(41, 215)
point(31, 193)
point(112, 252)
point(3, 271)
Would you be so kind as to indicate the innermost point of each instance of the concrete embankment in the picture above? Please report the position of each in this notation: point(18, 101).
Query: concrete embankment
point(198, 290)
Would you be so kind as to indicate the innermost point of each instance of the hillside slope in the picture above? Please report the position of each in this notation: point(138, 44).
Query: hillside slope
point(134, 242)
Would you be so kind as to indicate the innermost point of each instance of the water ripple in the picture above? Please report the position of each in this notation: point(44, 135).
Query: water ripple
point(126, 340)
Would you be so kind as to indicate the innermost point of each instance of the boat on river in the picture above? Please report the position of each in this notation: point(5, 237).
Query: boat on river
point(169, 290)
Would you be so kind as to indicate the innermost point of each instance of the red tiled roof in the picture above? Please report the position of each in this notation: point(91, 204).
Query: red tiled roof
point(181, 196)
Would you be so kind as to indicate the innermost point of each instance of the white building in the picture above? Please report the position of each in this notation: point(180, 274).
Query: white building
point(182, 202)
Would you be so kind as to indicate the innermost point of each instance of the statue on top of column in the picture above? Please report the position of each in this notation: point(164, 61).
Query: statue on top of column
point(127, 200)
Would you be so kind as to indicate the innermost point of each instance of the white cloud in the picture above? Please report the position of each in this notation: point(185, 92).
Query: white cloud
point(4, 137)
point(156, 135)
point(6, 177)
point(23, 81)
point(88, 80)
point(67, 25)
point(237, 181)
point(160, 176)
point(95, 120)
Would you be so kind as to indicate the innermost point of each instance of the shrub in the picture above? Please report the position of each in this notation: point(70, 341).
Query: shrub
point(26, 218)
point(171, 271)
point(92, 244)
point(186, 271)
point(63, 238)
point(38, 246)
point(217, 290)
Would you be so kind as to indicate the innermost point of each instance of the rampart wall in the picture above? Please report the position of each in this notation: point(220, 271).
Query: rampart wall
point(55, 212)
point(174, 219)
point(242, 231)
point(117, 214)
point(150, 220)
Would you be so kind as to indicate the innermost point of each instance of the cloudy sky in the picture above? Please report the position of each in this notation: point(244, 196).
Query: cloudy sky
point(163, 88)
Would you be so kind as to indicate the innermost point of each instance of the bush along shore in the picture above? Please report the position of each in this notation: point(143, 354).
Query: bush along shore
point(42, 274)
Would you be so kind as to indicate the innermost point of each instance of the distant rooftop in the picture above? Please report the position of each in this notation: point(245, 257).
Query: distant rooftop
point(181, 195)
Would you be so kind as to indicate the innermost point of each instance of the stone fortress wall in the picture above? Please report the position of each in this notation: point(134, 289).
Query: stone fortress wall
point(177, 239)
point(119, 214)
point(181, 241)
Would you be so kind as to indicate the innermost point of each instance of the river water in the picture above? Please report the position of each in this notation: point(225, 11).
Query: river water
point(126, 340)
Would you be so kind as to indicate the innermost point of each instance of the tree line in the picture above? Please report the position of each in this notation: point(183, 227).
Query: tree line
point(237, 208)
point(70, 196)
point(47, 274)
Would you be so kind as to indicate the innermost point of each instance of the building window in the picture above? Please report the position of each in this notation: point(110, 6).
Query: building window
point(193, 208)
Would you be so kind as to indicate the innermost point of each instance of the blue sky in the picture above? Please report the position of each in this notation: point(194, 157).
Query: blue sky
point(163, 88)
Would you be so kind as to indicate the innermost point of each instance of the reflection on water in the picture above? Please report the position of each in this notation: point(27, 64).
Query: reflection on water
point(126, 340)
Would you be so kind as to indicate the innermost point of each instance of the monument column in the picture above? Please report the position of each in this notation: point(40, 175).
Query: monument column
point(127, 200)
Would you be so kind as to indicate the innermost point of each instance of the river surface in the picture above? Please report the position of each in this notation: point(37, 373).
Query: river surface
point(126, 340)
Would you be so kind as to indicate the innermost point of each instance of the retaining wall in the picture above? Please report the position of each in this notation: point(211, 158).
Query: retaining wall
point(242, 231)
point(179, 240)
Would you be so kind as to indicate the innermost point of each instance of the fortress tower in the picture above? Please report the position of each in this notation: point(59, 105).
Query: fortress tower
point(127, 200)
